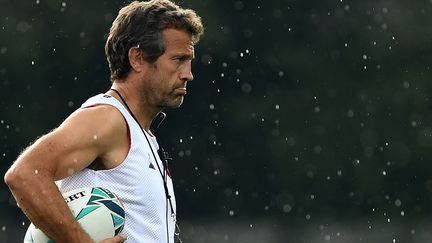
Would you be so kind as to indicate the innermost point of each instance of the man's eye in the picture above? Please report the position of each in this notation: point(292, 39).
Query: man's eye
point(180, 59)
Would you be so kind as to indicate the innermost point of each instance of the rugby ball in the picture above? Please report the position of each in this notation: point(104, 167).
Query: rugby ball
point(99, 212)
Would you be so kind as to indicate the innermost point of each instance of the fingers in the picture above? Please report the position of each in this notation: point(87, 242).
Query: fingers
point(115, 239)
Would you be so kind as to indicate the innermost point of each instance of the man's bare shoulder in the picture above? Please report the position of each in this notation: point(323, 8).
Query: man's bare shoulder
point(100, 123)
point(100, 115)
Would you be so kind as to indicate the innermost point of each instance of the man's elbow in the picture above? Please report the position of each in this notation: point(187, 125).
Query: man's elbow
point(19, 176)
point(11, 177)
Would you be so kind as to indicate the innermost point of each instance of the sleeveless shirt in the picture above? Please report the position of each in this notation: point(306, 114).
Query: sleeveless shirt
point(137, 181)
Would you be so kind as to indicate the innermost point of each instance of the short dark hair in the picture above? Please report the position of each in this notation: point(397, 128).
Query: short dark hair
point(141, 24)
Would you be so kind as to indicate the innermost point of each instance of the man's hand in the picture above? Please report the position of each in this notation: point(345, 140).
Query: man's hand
point(116, 239)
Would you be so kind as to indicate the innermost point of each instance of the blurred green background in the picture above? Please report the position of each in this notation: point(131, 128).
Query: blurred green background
point(307, 121)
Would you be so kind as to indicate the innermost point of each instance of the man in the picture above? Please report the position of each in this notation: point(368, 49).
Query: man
point(108, 142)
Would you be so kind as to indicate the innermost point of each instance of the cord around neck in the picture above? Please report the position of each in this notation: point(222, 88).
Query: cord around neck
point(168, 196)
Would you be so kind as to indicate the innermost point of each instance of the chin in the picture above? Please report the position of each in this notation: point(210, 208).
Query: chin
point(175, 104)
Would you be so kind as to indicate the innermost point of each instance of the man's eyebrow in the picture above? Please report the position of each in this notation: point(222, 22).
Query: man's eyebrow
point(184, 54)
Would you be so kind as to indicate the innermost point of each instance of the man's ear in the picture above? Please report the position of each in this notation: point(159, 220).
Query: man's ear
point(136, 59)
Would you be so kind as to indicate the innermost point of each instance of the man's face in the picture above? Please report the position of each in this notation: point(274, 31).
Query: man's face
point(172, 70)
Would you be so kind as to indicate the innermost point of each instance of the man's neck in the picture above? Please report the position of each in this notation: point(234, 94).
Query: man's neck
point(142, 111)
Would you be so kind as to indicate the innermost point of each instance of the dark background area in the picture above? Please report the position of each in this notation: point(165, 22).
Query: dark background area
point(307, 121)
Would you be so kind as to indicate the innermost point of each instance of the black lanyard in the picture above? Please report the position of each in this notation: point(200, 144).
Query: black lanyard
point(165, 158)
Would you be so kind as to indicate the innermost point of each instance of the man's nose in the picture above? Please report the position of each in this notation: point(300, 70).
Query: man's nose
point(186, 73)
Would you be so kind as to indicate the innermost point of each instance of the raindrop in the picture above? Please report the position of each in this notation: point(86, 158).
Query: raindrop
point(277, 107)
point(398, 202)
point(70, 171)
point(181, 153)
point(231, 213)
point(23, 26)
point(36, 172)
point(246, 88)
point(286, 208)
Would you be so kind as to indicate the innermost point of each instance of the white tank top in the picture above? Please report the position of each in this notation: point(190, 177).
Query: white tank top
point(137, 181)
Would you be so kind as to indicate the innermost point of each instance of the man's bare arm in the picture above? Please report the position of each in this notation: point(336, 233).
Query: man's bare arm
point(86, 135)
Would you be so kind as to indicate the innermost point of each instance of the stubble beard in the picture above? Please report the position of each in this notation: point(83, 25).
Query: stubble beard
point(173, 101)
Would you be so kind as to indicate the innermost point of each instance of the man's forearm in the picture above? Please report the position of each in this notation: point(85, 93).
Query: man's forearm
point(39, 198)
